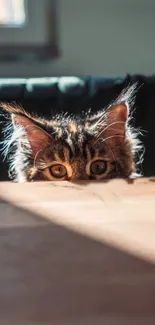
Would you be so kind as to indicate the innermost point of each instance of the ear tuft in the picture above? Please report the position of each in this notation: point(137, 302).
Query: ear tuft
point(13, 108)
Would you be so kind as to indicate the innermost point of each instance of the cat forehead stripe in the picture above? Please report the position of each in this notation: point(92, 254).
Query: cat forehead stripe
point(72, 128)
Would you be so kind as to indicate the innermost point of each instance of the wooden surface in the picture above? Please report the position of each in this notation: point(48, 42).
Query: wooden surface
point(77, 254)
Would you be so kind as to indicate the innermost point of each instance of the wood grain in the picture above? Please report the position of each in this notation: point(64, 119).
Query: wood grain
point(77, 254)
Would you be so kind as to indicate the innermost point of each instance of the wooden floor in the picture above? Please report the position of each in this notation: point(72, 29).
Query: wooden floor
point(77, 254)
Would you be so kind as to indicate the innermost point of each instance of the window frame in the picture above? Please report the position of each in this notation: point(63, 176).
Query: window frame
point(36, 38)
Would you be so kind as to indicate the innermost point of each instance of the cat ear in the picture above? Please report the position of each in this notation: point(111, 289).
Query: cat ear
point(36, 136)
point(115, 129)
point(33, 131)
point(111, 125)
point(117, 117)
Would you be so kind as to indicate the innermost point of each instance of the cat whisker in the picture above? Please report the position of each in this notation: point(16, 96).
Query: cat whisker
point(110, 137)
point(107, 127)
point(35, 158)
point(99, 122)
point(111, 124)
point(113, 136)
point(101, 118)
point(109, 147)
point(140, 155)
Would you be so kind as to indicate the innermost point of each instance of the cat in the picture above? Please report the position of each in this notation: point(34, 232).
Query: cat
point(93, 147)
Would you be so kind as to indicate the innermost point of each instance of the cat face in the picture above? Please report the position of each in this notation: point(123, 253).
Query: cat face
point(96, 147)
point(74, 151)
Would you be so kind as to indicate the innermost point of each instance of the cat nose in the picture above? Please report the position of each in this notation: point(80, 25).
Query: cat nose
point(78, 177)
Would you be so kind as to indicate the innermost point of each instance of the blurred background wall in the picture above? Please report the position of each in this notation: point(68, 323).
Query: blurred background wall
point(98, 37)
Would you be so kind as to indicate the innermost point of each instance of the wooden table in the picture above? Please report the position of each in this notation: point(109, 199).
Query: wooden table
point(77, 254)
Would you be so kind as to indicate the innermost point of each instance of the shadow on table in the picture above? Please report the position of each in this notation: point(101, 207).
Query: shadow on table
point(51, 275)
point(107, 180)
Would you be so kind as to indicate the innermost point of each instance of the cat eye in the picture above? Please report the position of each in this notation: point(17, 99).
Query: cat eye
point(58, 171)
point(98, 167)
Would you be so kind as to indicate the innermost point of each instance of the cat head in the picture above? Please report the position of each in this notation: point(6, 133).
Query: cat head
point(93, 147)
